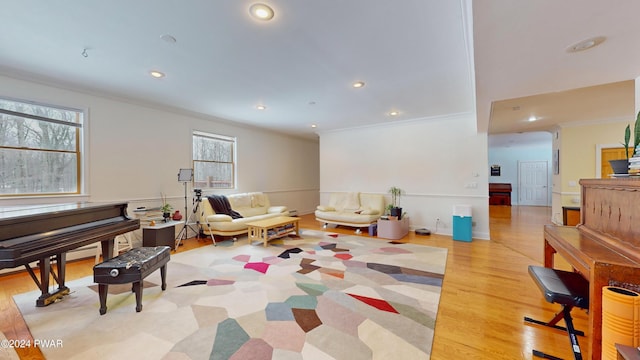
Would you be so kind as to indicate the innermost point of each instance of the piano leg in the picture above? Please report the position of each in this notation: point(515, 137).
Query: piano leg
point(44, 266)
point(61, 265)
point(107, 249)
point(43, 283)
point(45, 272)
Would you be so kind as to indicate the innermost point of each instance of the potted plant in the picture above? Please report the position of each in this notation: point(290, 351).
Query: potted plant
point(621, 166)
point(387, 209)
point(166, 209)
point(396, 210)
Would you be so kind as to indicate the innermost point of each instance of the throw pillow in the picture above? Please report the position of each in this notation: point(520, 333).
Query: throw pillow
point(258, 200)
point(240, 201)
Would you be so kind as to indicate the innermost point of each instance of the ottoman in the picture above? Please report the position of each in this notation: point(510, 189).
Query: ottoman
point(131, 267)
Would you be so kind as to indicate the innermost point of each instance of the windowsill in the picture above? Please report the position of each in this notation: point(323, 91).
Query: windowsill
point(44, 199)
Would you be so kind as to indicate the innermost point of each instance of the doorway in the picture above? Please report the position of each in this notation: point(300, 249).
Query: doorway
point(533, 181)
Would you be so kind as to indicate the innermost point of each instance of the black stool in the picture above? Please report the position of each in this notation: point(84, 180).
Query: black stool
point(131, 267)
point(568, 289)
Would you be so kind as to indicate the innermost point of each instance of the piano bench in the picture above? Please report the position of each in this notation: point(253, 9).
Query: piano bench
point(131, 267)
point(568, 289)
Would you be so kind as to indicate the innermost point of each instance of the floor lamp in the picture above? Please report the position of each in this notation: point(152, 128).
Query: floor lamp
point(185, 176)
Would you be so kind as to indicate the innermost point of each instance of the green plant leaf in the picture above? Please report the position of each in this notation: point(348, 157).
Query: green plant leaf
point(395, 192)
point(636, 135)
point(627, 137)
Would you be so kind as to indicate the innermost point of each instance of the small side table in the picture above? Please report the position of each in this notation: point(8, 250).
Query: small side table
point(160, 234)
point(393, 229)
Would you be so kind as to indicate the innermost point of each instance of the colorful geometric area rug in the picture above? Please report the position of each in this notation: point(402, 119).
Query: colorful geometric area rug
point(317, 296)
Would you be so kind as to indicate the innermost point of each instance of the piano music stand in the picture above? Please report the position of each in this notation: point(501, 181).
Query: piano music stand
point(185, 176)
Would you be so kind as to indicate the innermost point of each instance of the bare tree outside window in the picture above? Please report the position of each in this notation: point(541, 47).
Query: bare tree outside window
point(39, 149)
point(213, 161)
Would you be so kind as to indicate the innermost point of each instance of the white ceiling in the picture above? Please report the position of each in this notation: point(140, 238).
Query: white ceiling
point(412, 57)
point(419, 57)
point(521, 60)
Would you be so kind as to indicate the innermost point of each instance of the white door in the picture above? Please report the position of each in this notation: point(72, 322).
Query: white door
point(534, 187)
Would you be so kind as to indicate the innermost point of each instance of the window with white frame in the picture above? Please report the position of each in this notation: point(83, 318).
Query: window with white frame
point(40, 149)
point(213, 161)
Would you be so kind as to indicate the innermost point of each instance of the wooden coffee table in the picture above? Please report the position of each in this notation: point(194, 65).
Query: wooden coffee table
point(274, 228)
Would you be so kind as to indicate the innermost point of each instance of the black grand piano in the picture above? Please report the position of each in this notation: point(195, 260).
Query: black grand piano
point(46, 233)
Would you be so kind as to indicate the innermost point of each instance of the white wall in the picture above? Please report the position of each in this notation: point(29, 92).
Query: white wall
point(509, 159)
point(439, 162)
point(134, 152)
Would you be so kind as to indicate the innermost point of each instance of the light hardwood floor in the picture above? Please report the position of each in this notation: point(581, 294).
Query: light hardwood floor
point(485, 295)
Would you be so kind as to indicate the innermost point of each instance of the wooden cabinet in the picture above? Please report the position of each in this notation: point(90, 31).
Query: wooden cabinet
point(570, 215)
point(161, 234)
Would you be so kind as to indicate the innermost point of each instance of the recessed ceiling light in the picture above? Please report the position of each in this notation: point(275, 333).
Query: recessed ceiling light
point(532, 118)
point(586, 44)
point(394, 113)
point(168, 38)
point(261, 107)
point(261, 12)
point(156, 74)
point(358, 84)
point(314, 126)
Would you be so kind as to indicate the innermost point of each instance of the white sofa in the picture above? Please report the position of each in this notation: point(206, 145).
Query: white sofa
point(353, 209)
point(252, 206)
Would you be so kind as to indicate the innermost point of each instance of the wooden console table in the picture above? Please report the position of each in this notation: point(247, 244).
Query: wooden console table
point(274, 228)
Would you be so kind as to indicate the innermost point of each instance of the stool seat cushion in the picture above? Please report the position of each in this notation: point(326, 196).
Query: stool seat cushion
point(561, 287)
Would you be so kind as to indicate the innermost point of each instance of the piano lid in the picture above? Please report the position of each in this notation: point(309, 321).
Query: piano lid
point(499, 187)
point(9, 212)
point(16, 221)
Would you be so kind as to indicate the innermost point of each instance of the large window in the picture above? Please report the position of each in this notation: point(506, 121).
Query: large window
point(213, 161)
point(40, 148)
